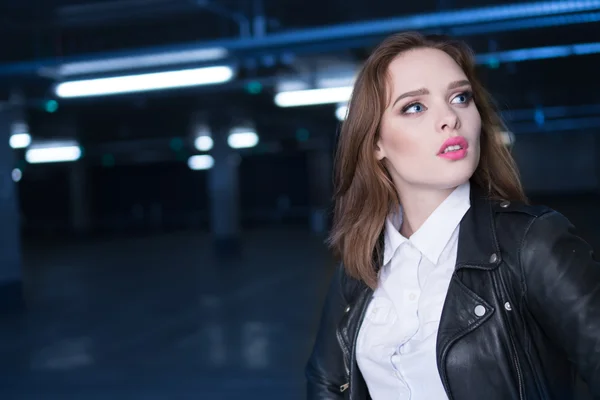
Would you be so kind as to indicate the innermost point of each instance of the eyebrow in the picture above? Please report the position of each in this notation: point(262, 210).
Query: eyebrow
point(423, 91)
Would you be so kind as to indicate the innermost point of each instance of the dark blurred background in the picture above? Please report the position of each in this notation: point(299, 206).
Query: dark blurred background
point(167, 241)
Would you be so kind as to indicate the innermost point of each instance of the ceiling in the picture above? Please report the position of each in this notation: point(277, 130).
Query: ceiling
point(43, 33)
point(58, 28)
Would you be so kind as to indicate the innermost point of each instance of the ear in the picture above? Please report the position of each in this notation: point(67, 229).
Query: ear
point(379, 153)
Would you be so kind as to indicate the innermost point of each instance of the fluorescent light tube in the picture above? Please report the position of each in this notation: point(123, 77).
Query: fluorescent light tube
point(144, 82)
point(203, 143)
point(141, 61)
point(201, 162)
point(19, 140)
point(50, 154)
point(313, 96)
point(242, 140)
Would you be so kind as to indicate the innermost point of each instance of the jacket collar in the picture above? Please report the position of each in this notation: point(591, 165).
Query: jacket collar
point(477, 242)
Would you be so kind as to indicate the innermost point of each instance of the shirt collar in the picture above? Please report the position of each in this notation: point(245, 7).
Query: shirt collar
point(435, 233)
point(393, 238)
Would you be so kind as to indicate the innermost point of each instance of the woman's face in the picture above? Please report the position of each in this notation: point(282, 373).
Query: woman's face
point(429, 132)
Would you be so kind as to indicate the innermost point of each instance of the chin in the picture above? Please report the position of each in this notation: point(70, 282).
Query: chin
point(436, 176)
point(450, 185)
point(453, 177)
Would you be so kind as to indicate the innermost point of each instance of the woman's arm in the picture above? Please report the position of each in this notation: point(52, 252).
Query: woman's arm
point(325, 371)
point(563, 291)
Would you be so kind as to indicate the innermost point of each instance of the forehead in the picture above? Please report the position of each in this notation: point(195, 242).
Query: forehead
point(423, 68)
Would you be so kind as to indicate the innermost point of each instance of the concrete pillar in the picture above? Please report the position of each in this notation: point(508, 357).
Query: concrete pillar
point(320, 168)
point(223, 191)
point(11, 277)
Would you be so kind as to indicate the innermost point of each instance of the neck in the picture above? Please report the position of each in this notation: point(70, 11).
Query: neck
point(417, 205)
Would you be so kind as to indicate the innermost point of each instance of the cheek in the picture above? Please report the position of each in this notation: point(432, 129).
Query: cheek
point(397, 145)
point(472, 121)
point(397, 142)
point(402, 152)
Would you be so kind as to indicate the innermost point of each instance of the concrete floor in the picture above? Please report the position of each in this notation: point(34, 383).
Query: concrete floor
point(159, 318)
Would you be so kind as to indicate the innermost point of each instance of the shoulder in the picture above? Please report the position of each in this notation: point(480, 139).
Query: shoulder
point(545, 244)
point(513, 219)
point(538, 221)
point(552, 236)
point(546, 240)
point(519, 207)
point(537, 233)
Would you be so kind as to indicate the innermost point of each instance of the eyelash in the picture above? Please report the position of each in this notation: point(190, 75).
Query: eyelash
point(468, 94)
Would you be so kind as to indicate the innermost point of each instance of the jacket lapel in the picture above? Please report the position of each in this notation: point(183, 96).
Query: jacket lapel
point(477, 243)
point(464, 310)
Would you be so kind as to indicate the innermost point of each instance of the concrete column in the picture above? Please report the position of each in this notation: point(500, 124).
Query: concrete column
point(320, 166)
point(223, 191)
point(11, 277)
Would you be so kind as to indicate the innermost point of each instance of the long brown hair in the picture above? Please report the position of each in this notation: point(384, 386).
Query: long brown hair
point(364, 192)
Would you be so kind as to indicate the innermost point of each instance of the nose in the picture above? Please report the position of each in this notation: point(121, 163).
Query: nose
point(449, 120)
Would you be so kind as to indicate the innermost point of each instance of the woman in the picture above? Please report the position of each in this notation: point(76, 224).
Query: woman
point(451, 286)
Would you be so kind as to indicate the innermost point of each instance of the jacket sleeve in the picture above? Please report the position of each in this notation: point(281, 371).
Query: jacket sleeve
point(562, 281)
point(325, 371)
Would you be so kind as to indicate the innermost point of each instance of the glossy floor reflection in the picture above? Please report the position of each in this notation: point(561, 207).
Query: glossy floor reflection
point(159, 318)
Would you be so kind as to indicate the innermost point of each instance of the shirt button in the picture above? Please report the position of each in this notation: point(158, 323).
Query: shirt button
point(412, 297)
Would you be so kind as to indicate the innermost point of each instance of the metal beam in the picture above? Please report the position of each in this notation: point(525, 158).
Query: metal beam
point(287, 40)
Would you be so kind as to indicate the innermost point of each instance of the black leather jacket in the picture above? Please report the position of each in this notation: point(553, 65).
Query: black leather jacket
point(540, 287)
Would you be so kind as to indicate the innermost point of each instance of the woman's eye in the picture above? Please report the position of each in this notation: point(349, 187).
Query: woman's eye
point(413, 108)
point(462, 98)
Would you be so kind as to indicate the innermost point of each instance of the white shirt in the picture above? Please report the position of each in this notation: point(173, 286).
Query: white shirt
point(396, 347)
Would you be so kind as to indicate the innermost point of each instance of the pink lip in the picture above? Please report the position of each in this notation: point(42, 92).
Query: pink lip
point(454, 155)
